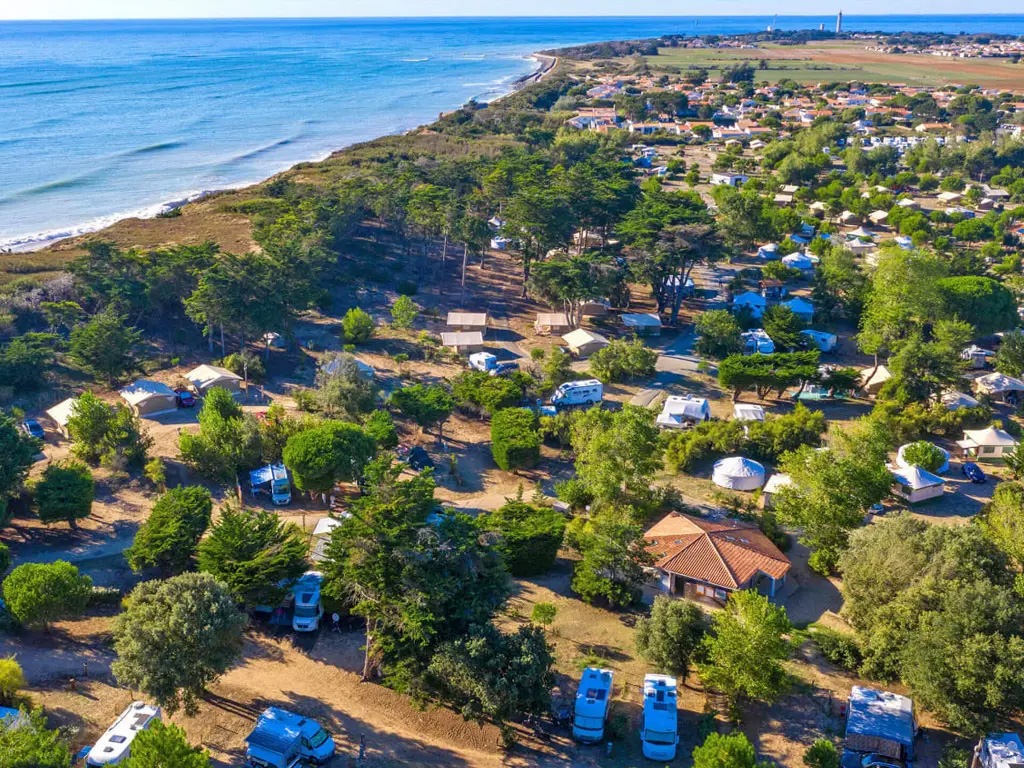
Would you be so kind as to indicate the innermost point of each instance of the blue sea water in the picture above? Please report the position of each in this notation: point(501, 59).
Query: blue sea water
point(104, 119)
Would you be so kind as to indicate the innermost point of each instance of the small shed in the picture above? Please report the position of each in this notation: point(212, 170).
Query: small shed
point(824, 341)
point(463, 342)
point(467, 321)
point(642, 324)
point(548, 323)
point(872, 379)
point(583, 343)
point(775, 483)
point(987, 444)
point(150, 398)
point(906, 202)
point(782, 199)
point(880, 722)
point(738, 474)
point(801, 308)
point(949, 198)
point(680, 412)
point(61, 412)
point(747, 412)
point(203, 378)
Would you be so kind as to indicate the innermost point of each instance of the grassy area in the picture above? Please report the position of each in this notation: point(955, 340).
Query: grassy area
point(845, 60)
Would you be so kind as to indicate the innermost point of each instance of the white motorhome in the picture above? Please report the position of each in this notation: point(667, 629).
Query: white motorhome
point(586, 392)
point(482, 361)
point(659, 735)
point(308, 609)
point(593, 699)
point(282, 739)
point(114, 746)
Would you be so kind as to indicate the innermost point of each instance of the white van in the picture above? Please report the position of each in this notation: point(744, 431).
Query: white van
point(586, 392)
point(307, 606)
point(115, 744)
point(593, 700)
point(659, 735)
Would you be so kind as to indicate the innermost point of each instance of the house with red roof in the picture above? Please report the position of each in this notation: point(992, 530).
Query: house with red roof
point(706, 560)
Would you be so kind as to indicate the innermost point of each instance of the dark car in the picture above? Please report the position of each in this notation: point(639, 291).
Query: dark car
point(419, 459)
point(33, 428)
point(860, 760)
point(184, 398)
point(973, 472)
point(503, 369)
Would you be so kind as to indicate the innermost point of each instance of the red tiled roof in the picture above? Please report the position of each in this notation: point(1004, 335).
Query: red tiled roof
point(726, 553)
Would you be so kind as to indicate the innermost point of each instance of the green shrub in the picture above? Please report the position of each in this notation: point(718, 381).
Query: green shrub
point(925, 455)
point(105, 596)
point(246, 364)
point(623, 360)
point(407, 287)
point(5, 559)
point(822, 754)
point(381, 427)
point(543, 614)
point(357, 327)
point(12, 680)
point(530, 536)
point(838, 648)
point(574, 492)
point(515, 439)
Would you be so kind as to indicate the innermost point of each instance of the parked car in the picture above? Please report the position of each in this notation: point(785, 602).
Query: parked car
point(184, 398)
point(973, 472)
point(503, 369)
point(419, 459)
point(874, 760)
point(33, 428)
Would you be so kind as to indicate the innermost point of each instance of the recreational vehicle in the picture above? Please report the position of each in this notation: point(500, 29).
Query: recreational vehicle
point(659, 735)
point(282, 739)
point(115, 744)
point(593, 699)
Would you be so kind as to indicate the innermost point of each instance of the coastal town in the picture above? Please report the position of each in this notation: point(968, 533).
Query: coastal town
point(657, 413)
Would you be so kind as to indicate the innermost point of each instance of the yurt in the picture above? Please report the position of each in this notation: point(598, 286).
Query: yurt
point(798, 261)
point(915, 484)
point(738, 474)
point(901, 460)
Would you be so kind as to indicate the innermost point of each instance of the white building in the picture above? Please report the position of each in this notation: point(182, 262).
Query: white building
point(915, 484)
point(987, 444)
point(680, 412)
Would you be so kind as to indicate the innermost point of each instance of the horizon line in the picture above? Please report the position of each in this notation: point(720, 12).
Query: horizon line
point(513, 16)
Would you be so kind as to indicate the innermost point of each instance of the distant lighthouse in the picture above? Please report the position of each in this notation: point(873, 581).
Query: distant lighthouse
point(839, 23)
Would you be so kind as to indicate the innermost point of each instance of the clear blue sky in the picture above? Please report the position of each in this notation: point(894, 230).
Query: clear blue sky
point(106, 9)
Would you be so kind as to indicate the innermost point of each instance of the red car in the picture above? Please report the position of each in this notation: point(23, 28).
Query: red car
point(185, 398)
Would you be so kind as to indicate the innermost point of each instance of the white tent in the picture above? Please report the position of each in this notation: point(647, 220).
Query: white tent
point(902, 461)
point(755, 301)
point(747, 412)
point(150, 398)
point(988, 443)
point(206, 377)
point(768, 252)
point(61, 412)
point(582, 342)
point(678, 412)
point(953, 400)
point(915, 484)
point(872, 382)
point(775, 483)
point(738, 473)
point(999, 386)
point(860, 232)
point(642, 323)
point(798, 261)
point(825, 342)
point(801, 308)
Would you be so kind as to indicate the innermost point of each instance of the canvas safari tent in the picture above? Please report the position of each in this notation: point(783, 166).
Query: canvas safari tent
point(203, 378)
point(915, 484)
point(583, 343)
point(150, 398)
point(60, 413)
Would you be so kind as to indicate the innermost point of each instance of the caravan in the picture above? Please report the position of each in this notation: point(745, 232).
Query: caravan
point(114, 746)
point(593, 699)
point(282, 739)
point(659, 735)
point(586, 392)
point(308, 608)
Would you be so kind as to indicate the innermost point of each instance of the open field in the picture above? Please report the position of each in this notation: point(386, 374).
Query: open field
point(847, 60)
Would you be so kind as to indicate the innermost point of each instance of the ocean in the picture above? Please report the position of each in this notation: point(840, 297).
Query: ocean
point(100, 120)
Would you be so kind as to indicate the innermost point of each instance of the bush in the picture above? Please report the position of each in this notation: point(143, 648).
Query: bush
point(670, 636)
point(482, 393)
point(822, 754)
point(357, 326)
point(403, 312)
point(246, 365)
point(5, 559)
point(925, 455)
point(838, 648)
point(543, 614)
point(718, 334)
point(574, 492)
point(530, 536)
point(407, 287)
point(41, 593)
point(515, 439)
point(12, 680)
point(622, 360)
point(105, 596)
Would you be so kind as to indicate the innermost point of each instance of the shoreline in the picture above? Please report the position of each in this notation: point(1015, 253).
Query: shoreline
point(42, 241)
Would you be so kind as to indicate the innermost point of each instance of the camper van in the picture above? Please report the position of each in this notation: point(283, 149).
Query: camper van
point(307, 607)
point(273, 481)
point(282, 739)
point(573, 393)
point(593, 699)
point(659, 735)
point(114, 746)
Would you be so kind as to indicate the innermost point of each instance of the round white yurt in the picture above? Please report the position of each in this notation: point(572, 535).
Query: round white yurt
point(901, 459)
point(738, 474)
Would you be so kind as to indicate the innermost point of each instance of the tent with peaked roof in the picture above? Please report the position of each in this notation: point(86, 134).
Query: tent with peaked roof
point(999, 386)
point(61, 412)
point(872, 379)
point(738, 473)
point(988, 443)
point(206, 377)
point(915, 484)
point(150, 398)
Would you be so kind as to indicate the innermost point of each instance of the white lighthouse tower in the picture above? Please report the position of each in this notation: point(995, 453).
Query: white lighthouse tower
point(839, 23)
